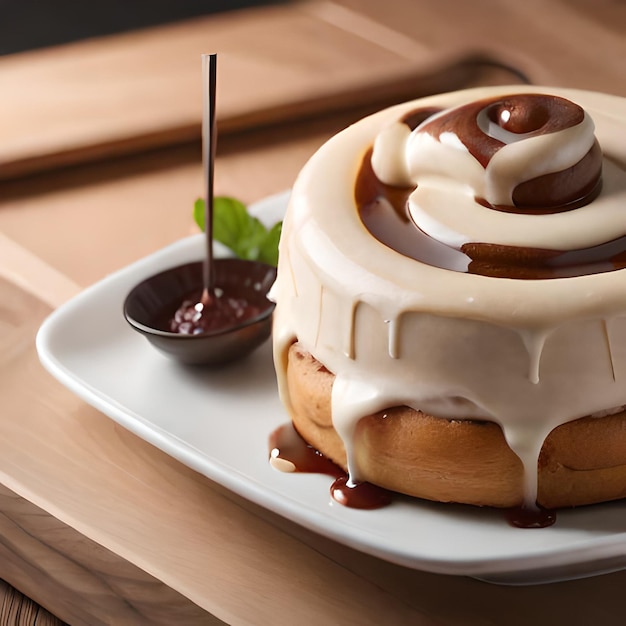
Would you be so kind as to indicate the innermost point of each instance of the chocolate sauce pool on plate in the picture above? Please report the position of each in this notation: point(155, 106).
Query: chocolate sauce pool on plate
point(359, 495)
point(287, 445)
point(524, 517)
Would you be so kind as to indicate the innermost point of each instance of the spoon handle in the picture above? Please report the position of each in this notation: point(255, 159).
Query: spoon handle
point(209, 141)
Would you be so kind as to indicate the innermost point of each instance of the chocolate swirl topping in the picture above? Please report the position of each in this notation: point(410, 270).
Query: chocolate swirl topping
point(529, 154)
point(486, 127)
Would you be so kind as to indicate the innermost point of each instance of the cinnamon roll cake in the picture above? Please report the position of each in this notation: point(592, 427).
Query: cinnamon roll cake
point(450, 316)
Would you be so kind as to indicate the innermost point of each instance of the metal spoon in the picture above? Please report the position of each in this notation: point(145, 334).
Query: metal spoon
point(151, 304)
point(209, 143)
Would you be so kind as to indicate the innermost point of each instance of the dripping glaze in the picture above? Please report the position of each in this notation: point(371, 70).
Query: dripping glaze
point(529, 354)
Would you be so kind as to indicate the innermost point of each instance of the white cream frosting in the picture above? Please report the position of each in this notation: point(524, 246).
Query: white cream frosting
point(527, 354)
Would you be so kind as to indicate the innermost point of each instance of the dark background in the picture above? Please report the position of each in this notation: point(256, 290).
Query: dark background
point(29, 24)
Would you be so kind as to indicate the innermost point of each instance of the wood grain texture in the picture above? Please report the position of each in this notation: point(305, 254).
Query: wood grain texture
point(137, 91)
point(16, 609)
point(140, 90)
point(85, 583)
point(24, 269)
point(554, 42)
point(49, 561)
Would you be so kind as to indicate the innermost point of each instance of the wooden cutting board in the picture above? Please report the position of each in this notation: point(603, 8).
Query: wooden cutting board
point(131, 92)
point(114, 95)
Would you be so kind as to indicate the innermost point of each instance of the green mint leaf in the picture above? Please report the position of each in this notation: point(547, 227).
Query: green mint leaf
point(236, 228)
point(268, 252)
point(198, 213)
point(244, 234)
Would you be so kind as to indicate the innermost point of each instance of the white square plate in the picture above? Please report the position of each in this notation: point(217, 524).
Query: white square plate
point(218, 423)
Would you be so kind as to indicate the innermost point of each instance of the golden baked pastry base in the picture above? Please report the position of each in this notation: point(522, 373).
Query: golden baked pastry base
point(581, 462)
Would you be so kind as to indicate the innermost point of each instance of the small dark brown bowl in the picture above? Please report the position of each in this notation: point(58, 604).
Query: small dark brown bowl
point(153, 300)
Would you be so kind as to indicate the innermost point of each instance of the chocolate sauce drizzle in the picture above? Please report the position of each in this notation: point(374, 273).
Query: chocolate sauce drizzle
point(286, 444)
point(383, 208)
point(520, 114)
point(530, 115)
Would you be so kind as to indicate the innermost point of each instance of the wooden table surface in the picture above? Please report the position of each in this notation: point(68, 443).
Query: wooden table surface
point(99, 166)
